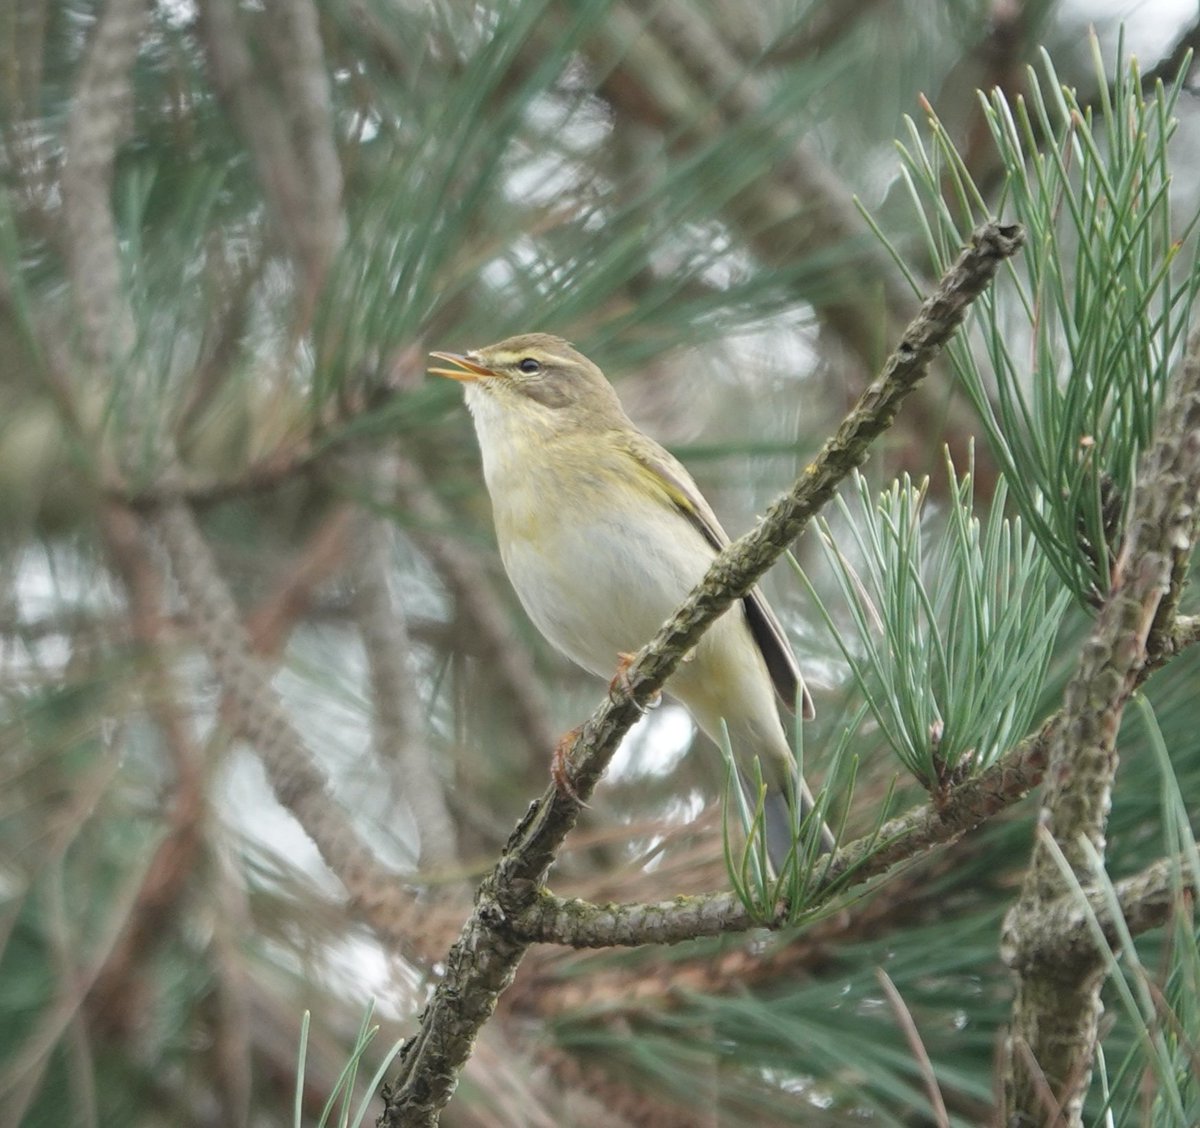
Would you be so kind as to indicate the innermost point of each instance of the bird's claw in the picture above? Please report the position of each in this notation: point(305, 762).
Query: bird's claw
point(621, 688)
point(560, 765)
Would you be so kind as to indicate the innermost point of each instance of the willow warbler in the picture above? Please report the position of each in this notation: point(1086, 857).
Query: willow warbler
point(603, 533)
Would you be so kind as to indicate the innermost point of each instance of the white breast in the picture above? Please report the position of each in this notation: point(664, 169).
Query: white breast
point(600, 583)
point(596, 572)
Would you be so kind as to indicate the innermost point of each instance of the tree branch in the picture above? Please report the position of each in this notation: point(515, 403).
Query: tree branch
point(114, 1002)
point(292, 147)
point(738, 568)
point(485, 958)
point(1062, 936)
point(1057, 1009)
point(1146, 899)
point(256, 712)
point(674, 64)
point(1186, 633)
point(397, 708)
point(100, 111)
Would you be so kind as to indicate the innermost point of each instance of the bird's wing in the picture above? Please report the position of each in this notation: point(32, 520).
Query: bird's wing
point(668, 475)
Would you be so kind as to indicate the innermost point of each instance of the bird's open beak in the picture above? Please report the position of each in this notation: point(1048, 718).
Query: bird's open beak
point(464, 369)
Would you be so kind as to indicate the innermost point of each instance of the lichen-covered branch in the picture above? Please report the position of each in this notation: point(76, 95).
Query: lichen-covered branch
point(579, 924)
point(1057, 1006)
point(1186, 632)
point(1062, 935)
point(1146, 901)
point(485, 957)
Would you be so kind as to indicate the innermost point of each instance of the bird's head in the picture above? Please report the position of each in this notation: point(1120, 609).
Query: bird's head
point(535, 374)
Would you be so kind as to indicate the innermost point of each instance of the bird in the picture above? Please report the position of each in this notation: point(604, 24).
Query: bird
point(603, 533)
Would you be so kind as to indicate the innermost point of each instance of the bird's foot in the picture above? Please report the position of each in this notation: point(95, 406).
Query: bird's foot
point(560, 765)
point(621, 687)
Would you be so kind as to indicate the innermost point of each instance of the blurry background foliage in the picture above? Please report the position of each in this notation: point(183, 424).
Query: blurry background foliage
point(304, 200)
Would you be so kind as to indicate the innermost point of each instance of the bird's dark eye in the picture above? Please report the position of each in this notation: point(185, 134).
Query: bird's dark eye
point(529, 366)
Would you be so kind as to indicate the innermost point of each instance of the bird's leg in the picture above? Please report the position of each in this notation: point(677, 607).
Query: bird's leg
point(559, 765)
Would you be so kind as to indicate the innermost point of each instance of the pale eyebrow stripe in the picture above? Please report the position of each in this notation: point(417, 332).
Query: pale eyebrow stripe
point(510, 357)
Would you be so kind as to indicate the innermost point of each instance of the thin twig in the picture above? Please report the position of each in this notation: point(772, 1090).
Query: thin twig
point(305, 85)
point(22, 1071)
point(397, 727)
point(270, 623)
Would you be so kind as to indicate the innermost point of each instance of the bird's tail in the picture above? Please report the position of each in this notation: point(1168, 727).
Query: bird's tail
point(779, 821)
point(750, 739)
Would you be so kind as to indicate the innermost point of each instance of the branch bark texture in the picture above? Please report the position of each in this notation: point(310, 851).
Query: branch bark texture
point(1057, 1007)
